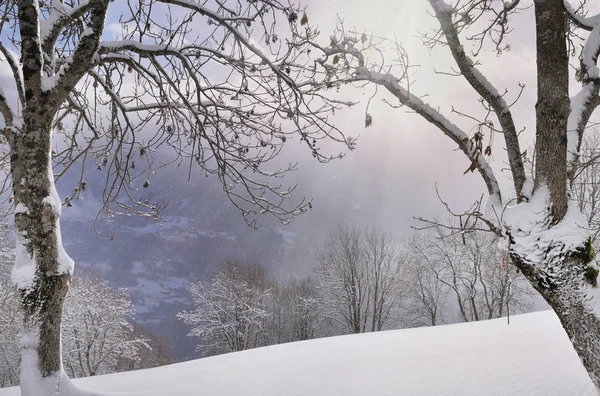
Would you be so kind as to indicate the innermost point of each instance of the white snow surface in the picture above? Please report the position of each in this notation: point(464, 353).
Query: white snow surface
point(534, 240)
point(530, 357)
point(65, 262)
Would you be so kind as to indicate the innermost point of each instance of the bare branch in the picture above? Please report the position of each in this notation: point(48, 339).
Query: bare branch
point(433, 116)
point(484, 88)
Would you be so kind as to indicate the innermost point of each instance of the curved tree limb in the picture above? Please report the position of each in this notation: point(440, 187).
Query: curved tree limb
point(408, 99)
point(485, 89)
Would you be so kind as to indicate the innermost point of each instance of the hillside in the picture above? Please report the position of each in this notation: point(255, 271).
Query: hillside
point(531, 356)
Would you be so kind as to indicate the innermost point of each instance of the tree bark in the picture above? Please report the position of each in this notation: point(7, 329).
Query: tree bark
point(581, 325)
point(37, 229)
point(570, 301)
point(567, 295)
point(553, 104)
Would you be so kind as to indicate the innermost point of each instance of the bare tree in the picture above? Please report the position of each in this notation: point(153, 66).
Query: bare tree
point(385, 276)
point(302, 310)
point(426, 296)
point(220, 84)
point(471, 268)
point(359, 279)
point(586, 185)
point(293, 309)
point(547, 241)
point(97, 332)
point(231, 311)
point(342, 278)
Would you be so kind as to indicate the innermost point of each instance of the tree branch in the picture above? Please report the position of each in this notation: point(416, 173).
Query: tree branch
point(585, 102)
point(484, 88)
point(62, 83)
point(12, 63)
point(5, 110)
point(586, 23)
point(59, 18)
point(389, 82)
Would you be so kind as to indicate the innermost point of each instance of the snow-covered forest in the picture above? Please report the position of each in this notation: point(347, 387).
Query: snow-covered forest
point(108, 106)
point(364, 282)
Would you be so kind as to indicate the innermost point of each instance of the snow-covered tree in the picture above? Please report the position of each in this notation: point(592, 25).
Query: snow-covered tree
point(97, 332)
point(359, 279)
point(186, 76)
point(98, 337)
point(549, 243)
point(231, 311)
point(156, 355)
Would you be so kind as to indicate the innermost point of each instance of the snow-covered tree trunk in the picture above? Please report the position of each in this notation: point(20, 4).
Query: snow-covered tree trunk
point(558, 261)
point(42, 269)
point(563, 275)
point(580, 321)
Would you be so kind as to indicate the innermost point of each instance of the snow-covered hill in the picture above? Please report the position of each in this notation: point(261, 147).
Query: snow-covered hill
point(531, 356)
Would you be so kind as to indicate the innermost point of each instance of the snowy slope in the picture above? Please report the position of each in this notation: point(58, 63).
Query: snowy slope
point(531, 356)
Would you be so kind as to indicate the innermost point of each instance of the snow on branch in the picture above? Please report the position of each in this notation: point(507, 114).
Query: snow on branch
point(408, 99)
point(76, 65)
point(583, 22)
point(59, 17)
point(14, 67)
point(349, 66)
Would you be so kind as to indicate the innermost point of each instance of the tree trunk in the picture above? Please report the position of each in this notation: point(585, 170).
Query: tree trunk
point(562, 283)
point(553, 104)
point(580, 321)
point(42, 268)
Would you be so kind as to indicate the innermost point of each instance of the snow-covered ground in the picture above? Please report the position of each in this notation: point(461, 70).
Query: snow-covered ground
point(531, 356)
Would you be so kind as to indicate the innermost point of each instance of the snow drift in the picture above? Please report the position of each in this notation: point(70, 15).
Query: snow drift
point(531, 356)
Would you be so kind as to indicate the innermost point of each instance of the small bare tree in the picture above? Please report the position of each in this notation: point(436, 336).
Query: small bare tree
point(342, 280)
point(426, 296)
point(359, 279)
point(384, 274)
point(97, 331)
point(231, 311)
point(302, 310)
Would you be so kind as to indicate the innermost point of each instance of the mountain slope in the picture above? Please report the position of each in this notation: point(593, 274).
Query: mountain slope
point(531, 356)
